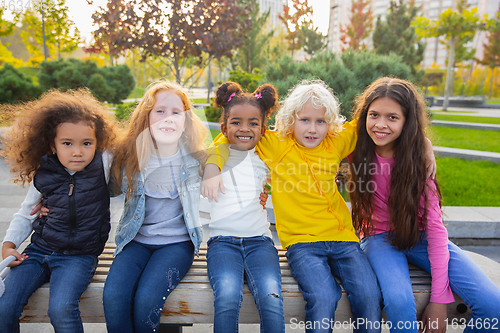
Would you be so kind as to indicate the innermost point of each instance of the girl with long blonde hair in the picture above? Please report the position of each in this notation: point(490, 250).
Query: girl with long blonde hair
point(157, 167)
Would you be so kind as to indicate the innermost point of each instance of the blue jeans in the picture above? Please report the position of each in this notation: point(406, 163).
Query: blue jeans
point(466, 280)
point(313, 266)
point(229, 259)
point(69, 276)
point(139, 281)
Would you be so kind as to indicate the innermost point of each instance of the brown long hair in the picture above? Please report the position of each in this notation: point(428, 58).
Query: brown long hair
point(134, 147)
point(35, 129)
point(408, 175)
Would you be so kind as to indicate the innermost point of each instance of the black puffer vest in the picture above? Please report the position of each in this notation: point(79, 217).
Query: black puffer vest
point(78, 219)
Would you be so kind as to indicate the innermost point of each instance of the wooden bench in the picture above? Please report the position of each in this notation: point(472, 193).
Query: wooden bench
point(192, 300)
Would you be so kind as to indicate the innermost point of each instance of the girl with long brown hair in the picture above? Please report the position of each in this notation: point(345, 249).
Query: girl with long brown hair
point(157, 167)
point(397, 211)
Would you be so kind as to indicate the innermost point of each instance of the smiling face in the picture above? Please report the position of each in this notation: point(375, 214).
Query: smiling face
point(311, 127)
point(384, 123)
point(75, 145)
point(167, 122)
point(244, 126)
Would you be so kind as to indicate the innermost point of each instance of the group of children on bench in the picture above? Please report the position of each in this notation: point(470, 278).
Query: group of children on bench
point(72, 156)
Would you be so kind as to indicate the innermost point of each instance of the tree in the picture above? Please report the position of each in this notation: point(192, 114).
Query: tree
point(312, 40)
point(62, 36)
point(6, 29)
point(293, 20)
point(250, 55)
point(175, 30)
point(451, 24)
point(491, 55)
point(113, 31)
point(396, 34)
point(359, 27)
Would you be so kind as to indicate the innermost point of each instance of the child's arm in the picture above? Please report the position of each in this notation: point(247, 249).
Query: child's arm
point(21, 225)
point(9, 249)
point(434, 313)
point(218, 154)
point(212, 182)
point(431, 159)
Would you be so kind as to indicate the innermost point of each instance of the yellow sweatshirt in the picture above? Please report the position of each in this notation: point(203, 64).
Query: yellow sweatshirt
point(307, 206)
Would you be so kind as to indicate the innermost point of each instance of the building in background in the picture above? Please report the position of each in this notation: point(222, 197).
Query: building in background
point(276, 7)
point(435, 52)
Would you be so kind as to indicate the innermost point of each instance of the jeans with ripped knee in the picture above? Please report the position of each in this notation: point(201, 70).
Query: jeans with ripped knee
point(139, 282)
point(229, 260)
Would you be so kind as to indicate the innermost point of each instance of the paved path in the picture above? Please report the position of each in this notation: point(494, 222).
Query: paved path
point(477, 112)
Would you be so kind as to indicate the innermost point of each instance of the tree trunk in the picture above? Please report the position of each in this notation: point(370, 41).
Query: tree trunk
point(145, 81)
point(177, 70)
point(451, 57)
point(43, 33)
point(209, 79)
point(135, 76)
point(491, 82)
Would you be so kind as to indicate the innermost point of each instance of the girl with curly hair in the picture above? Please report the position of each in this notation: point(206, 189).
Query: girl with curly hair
point(240, 243)
point(59, 146)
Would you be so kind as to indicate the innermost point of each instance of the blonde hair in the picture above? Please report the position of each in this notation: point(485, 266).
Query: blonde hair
point(320, 95)
point(134, 148)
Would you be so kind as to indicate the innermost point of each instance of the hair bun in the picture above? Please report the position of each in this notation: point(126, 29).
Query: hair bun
point(224, 92)
point(267, 96)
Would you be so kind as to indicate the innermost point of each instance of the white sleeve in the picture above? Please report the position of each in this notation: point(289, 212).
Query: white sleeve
point(107, 160)
point(21, 225)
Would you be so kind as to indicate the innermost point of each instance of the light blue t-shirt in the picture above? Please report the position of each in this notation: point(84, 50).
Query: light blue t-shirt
point(163, 218)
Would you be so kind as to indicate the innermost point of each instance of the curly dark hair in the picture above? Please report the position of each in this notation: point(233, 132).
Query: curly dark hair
point(32, 136)
point(229, 94)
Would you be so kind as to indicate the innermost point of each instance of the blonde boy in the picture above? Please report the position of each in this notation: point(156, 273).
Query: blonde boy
point(312, 219)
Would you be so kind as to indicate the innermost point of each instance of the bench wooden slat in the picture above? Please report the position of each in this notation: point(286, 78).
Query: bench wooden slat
point(192, 300)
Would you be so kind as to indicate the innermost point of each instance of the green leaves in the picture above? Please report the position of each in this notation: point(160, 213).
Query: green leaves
point(15, 86)
point(110, 84)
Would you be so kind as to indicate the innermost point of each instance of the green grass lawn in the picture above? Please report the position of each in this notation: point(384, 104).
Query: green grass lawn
point(465, 138)
point(199, 100)
point(452, 111)
point(140, 92)
point(467, 119)
point(209, 138)
point(468, 183)
point(493, 101)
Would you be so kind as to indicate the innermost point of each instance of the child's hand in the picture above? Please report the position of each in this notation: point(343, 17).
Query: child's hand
point(9, 249)
point(212, 182)
point(44, 211)
point(434, 318)
point(263, 197)
point(430, 159)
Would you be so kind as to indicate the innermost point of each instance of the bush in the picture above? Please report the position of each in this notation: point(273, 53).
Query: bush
point(107, 84)
point(347, 74)
point(15, 86)
point(213, 114)
point(248, 81)
point(124, 110)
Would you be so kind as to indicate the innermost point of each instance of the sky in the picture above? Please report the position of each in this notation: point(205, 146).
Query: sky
point(81, 14)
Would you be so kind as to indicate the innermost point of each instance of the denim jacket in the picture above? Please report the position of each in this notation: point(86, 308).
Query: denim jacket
point(134, 209)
